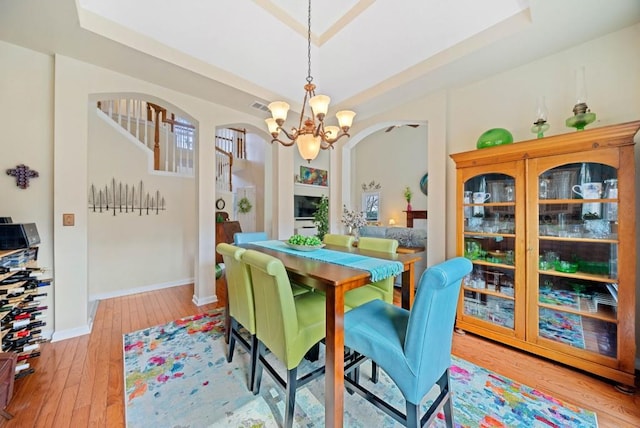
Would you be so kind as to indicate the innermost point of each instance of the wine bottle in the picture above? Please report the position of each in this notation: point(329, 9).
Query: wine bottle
point(24, 373)
point(23, 357)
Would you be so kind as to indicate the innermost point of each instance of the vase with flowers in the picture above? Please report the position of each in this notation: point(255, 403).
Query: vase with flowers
point(354, 220)
point(408, 194)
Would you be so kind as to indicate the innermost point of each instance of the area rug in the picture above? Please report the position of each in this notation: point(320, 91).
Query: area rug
point(176, 375)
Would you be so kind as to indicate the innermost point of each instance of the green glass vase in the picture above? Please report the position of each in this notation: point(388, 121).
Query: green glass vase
point(494, 137)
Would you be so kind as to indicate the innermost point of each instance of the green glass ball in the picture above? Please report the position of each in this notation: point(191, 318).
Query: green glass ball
point(494, 137)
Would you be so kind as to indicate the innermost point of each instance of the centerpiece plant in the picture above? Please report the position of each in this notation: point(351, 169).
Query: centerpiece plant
point(354, 220)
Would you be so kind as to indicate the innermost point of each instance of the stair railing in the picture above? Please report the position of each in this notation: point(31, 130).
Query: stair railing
point(170, 138)
point(224, 166)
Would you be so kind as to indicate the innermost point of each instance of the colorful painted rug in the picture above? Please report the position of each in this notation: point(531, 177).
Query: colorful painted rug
point(176, 375)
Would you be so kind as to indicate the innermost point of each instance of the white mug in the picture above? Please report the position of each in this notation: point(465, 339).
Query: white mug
point(588, 190)
point(480, 197)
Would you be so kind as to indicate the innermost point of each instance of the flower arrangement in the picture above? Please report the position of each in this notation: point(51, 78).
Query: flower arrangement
point(408, 194)
point(353, 219)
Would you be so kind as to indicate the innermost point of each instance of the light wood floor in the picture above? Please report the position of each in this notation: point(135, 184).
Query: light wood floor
point(79, 382)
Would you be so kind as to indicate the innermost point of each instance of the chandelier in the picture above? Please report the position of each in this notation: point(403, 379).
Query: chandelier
point(311, 135)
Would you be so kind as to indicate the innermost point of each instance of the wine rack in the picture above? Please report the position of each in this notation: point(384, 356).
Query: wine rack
point(23, 293)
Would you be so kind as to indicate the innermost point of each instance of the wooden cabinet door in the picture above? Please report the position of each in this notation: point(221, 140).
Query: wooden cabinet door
point(490, 219)
point(578, 289)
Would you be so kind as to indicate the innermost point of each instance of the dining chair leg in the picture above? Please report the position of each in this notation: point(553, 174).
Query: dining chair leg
point(413, 415)
point(254, 361)
point(232, 339)
point(445, 390)
point(258, 378)
point(292, 385)
point(375, 372)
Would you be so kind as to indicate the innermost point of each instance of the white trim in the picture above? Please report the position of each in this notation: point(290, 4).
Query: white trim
point(144, 289)
point(204, 300)
point(73, 332)
point(92, 309)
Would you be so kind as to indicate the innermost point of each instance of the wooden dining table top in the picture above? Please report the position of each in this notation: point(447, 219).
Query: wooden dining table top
point(335, 280)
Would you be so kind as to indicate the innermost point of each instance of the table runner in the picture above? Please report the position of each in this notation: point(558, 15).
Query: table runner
point(379, 269)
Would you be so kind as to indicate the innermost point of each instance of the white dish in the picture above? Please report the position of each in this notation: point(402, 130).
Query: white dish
point(304, 247)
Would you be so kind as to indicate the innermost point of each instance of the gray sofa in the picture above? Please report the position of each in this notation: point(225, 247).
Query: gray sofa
point(408, 239)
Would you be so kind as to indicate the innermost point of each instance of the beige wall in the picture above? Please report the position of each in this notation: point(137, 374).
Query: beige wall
point(26, 109)
point(46, 99)
point(128, 251)
point(394, 160)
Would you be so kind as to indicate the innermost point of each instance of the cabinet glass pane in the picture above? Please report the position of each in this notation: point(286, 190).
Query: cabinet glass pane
point(489, 308)
point(578, 257)
point(489, 204)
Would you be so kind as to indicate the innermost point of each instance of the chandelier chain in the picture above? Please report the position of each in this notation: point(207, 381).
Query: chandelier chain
point(309, 78)
point(311, 135)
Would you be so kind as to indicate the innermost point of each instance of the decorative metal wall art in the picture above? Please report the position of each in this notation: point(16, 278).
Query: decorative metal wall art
point(117, 197)
point(22, 173)
point(371, 186)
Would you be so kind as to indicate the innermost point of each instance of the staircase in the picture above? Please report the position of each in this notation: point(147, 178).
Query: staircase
point(168, 136)
point(171, 139)
point(230, 148)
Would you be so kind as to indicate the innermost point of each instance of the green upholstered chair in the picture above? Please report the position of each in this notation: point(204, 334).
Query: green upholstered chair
point(286, 325)
point(382, 290)
point(240, 238)
point(412, 347)
point(241, 306)
point(338, 240)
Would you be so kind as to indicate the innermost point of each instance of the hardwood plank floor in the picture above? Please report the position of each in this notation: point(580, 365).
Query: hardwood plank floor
point(79, 382)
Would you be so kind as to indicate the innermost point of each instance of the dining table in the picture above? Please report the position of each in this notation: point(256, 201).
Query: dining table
point(335, 280)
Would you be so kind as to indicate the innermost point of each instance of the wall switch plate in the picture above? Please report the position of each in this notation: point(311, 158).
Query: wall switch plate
point(68, 219)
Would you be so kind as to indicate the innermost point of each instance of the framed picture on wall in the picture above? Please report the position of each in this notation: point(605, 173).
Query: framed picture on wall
point(314, 176)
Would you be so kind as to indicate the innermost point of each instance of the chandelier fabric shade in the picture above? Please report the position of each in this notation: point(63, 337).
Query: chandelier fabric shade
point(312, 134)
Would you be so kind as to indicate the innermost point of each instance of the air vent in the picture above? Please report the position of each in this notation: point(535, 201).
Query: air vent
point(258, 105)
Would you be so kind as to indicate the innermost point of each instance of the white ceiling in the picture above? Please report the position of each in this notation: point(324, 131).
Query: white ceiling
point(259, 41)
point(366, 54)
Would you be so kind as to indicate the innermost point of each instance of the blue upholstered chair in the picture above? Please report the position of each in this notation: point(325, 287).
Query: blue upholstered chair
point(412, 347)
point(288, 326)
point(240, 238)
point(241, 305)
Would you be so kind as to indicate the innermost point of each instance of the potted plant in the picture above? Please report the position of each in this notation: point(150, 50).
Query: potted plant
point(321, 217)
point(408, 194)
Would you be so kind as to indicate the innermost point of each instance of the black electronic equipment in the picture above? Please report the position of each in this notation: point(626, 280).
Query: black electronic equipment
point(14, 236)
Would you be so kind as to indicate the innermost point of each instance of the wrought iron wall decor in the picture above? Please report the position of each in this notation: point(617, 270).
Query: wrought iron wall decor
point(22, 173)
point(371, 186)
point(117, 197)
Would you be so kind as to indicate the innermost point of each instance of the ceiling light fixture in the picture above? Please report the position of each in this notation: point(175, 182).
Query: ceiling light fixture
point(310, 136)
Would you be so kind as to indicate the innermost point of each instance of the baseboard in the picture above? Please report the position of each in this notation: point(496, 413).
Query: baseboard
point(70, 333)
point(205, 300)
point(146, 288)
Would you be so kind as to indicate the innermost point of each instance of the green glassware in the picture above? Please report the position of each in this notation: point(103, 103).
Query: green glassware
point(579, 121)
point(494, 137)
